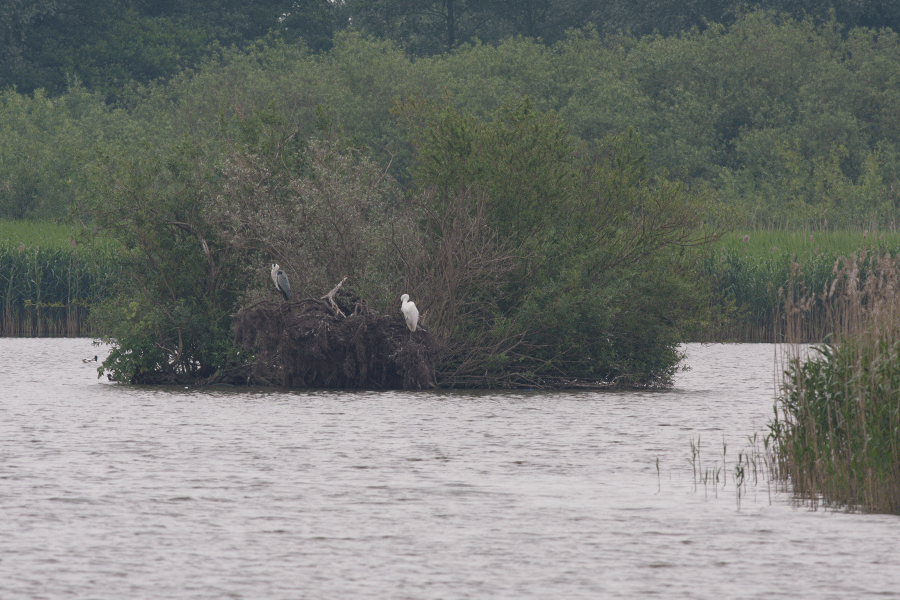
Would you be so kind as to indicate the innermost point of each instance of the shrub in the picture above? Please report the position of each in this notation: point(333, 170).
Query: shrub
point(595, 291)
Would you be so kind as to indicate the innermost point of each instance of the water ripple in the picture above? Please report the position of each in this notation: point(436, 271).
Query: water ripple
point(110, 491)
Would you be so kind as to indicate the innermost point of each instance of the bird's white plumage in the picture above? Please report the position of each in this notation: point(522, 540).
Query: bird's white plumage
point(410, 312)
point(275, 269)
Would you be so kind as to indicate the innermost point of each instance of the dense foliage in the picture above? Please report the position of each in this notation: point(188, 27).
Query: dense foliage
point(538, 298)
point(594, 290)
point(111, 44)
point(170, 315)
point(793, 124)
point(539, 201)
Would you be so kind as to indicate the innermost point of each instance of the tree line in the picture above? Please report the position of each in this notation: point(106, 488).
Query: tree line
point(111, 45)
point(791, 123)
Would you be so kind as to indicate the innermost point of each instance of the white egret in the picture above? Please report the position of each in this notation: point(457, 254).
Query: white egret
point(410, 312)
point(280, 279)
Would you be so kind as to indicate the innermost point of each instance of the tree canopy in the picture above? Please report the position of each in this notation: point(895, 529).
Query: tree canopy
point(110, 45)
point(789, 122)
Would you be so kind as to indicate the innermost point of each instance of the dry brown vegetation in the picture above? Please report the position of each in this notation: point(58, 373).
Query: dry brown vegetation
point(444, 254)
point(454, 273)
point(838, 433)
point(457, 271)
point(336, 342)
point(323, 219)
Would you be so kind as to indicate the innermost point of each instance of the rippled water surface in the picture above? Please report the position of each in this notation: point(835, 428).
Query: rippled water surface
point(109, 491)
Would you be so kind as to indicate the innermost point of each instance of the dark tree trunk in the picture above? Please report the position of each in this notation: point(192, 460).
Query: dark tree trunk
point(451, 26)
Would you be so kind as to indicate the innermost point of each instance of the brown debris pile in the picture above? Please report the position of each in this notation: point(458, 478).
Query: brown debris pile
point(335, 342)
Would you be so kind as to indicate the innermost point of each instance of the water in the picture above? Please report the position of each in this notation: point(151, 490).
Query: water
point(110, 491)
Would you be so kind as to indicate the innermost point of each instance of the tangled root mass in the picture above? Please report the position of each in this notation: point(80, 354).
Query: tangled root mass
point(313, 343)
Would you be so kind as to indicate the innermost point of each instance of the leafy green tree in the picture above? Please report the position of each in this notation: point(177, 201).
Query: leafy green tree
point(545, 19)
point(874, 14)
point(46, 143)
point(583, 293)
point(111, 45)
point(422, 28)
point(170, 319)
point(17, 18)
point(108, 45)
point(313, 22)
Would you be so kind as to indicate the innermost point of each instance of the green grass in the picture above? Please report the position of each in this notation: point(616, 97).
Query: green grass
point(754, 269)
point(43, 234)
point(34, 233)
point(766, 242)
point(48, 281)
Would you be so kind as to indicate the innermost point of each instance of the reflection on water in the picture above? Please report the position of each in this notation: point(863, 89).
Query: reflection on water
point(110, 491)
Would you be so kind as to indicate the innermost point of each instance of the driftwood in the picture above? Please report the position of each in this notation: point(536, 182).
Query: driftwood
point(335, 341)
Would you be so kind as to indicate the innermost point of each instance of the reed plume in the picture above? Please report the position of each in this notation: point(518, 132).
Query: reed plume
point(837, 427)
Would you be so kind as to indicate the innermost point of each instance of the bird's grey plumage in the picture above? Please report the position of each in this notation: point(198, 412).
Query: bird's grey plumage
point(280, 279)
point(410, 312)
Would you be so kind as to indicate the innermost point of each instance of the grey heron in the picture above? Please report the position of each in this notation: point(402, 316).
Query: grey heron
point(410, 312)
point(280, 279)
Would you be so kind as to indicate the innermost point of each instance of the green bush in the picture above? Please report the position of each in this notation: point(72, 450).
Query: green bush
point(170, 316)
point(596, 292)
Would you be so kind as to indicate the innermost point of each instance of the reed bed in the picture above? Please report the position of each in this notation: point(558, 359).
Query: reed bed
point(749, 272)
point(837, 421)
point(48, 282)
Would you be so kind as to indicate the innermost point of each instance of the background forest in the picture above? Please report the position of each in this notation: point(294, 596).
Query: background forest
point(791, 121)
point(579, 153)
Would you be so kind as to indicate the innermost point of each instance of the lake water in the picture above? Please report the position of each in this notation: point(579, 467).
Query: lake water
point(119, 492)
